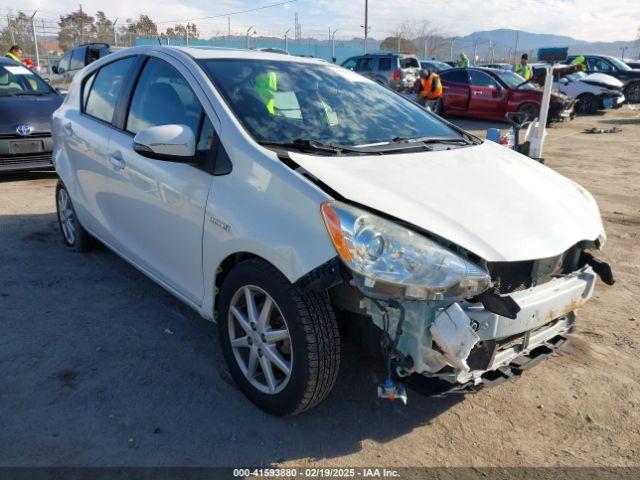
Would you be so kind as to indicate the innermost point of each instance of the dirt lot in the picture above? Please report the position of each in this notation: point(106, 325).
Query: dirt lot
point(99, 366)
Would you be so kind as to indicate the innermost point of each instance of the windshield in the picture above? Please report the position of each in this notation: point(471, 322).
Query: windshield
point(513, 80)
point(19, 80)
point(619, 64)
point(283, 101)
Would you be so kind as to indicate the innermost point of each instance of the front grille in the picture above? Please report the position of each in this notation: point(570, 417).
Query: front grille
point(17, 160)
point(15, 136)
point(513, 276)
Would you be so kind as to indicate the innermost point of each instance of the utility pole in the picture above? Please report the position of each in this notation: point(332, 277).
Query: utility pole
point(515, 50)
point(286, 43)
point(229, 28)
point(249, 33)
point(623, 49)
point(333, 46)
point(475, 52)
point(366, 24)
point(187, 34)
point(451, 51)
point(425, 47)
point(115, 36)
point(491, 51)
point(35, 41)
point(13, 38)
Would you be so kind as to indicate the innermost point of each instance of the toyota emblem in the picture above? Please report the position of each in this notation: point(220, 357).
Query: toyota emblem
point(24, 130)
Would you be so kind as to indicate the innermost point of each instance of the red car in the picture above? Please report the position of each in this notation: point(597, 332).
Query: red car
point(492, 93)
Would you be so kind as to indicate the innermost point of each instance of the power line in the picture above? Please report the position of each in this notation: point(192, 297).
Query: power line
point(230, 13)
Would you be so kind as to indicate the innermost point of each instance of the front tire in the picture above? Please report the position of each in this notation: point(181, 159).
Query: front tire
point(587, 103)
point(531, 110)
point(281, 343)
point(73, 234)
point(632, 93)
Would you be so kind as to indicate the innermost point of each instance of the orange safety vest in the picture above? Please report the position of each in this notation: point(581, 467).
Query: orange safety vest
point(431, 87)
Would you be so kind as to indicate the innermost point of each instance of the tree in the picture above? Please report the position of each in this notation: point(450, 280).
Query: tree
point(180, 31)
point(144, 27)
point(76, 28)
point(397, 44)
point(17, 32)
point(104, 28)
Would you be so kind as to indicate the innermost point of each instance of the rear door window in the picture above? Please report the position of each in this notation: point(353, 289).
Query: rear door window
point(364, 65)
point(456, 76)
point(384, 64)
point(104, 92)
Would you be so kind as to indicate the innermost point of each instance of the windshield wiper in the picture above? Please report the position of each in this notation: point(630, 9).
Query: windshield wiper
point(314, 145)
point(431, 140)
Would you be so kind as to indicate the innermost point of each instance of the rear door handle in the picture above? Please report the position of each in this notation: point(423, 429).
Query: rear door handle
point(68, 129)
point(116, 160)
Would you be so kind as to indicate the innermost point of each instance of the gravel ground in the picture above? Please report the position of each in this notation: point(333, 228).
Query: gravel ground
point(102, 367)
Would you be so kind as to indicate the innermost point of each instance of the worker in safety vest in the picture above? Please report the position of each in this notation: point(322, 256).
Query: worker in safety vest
point(580, 61)
point(463, 61)
point(14, 53)
point(428, 87)
point(266, 87)
point(523, 69)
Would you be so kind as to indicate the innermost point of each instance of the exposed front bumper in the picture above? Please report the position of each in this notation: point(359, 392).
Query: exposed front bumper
point(547, 313)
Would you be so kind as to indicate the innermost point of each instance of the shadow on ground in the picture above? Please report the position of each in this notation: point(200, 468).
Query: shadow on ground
point(102, 367)
point(27, 176)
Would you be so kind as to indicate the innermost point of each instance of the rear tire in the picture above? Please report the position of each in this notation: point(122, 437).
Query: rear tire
point(73, 234)
point(531, 110)
point(587, 103)
point(304, 356)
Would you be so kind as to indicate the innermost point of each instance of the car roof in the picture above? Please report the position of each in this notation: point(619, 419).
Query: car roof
point(211, 53)
point(7, 60)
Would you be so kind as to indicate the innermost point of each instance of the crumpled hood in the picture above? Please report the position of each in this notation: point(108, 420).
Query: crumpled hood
point(603, 80)
point(28, 110)
point(491, 201)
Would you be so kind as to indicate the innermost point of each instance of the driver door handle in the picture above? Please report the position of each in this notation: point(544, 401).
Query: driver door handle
point(68, 129)
point(116, 160)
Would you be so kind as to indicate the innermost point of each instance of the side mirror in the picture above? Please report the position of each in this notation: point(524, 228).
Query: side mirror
point(54, 69)
point(496, 92)
point(62, 91)
point(173, 143)
point(565, 81)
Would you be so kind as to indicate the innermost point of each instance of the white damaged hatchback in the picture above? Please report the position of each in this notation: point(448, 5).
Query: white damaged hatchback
point(295, 202)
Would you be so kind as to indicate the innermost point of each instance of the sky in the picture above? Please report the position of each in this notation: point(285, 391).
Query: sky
point(590, 20)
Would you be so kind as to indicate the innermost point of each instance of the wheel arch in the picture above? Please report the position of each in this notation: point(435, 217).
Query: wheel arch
point(318, 279)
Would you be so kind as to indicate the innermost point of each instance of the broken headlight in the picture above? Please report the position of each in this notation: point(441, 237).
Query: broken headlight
point(391, 261)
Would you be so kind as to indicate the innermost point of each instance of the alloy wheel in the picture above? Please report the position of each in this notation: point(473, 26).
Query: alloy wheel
point(67, 216)
point(260, 339)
